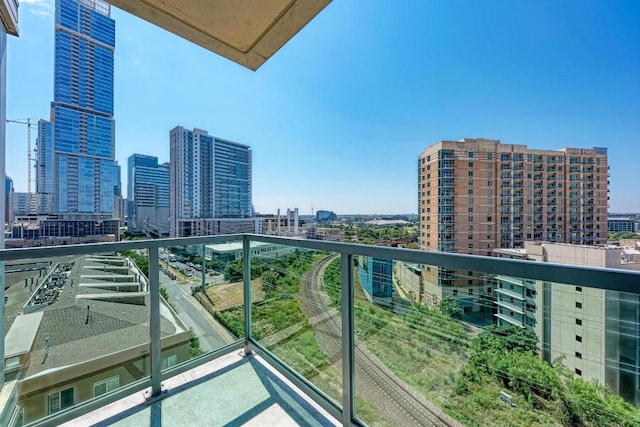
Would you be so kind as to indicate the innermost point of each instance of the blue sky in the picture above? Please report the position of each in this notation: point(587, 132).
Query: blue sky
point(337, 118)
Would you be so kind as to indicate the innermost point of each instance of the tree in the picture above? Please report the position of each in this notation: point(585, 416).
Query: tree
point(233, 271)
point(505, 339)
point(623, 235)
point(449, 306)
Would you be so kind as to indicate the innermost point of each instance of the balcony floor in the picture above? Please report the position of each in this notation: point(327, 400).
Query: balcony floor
point(229, 391)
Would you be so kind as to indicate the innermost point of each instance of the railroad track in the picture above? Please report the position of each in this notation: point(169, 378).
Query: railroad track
point(382, 388)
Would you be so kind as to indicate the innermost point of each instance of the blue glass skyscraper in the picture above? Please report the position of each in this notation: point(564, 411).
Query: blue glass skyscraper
point(83, 176)
point(147, 195)
point(44, 159)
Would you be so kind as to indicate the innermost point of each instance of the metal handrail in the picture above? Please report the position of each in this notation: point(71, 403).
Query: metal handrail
point(600, 278)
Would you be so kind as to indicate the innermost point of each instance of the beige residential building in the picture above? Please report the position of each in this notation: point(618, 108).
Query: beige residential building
point(476, 195)
point(594, 330)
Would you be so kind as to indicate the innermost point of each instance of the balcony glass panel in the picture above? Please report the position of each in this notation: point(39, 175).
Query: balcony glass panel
point(183, 272)
point(434, 341)
point(295, 315)
point(77, 327)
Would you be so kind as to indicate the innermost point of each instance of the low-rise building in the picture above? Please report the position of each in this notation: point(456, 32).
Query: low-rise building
point(84, 331)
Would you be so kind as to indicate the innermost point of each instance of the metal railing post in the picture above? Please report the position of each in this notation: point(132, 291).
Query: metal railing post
point(246, 261)
point(348, 344)
point(154, 322)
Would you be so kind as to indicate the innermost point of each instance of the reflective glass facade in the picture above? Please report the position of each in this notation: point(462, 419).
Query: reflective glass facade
point(82, 172)
point(44, 159)
point(147, 193)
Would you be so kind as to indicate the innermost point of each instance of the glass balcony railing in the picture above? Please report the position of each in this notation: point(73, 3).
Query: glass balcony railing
point(369, 333)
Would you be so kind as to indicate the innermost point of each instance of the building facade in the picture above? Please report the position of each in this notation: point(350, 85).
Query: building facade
point(147, 195)
point(210, 181)
point(322, 216)
point(81, 170)
point(476, 195)
point(593, 330)
point(44, 158)
point(623, 224)
point(8, 189)
point(376, 278)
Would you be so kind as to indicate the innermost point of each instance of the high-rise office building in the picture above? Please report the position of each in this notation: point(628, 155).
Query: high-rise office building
point(210, 184)
point(44, 158)
point(85, 176)
point(476, 195)
point(8, 189)
point(147, 195)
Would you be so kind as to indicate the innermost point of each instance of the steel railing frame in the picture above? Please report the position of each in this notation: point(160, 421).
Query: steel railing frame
point(600, 278)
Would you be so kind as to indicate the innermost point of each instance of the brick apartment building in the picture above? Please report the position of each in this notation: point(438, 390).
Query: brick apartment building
point(477, 195)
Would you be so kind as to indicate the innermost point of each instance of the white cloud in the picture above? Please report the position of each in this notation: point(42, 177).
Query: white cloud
point(42, 8)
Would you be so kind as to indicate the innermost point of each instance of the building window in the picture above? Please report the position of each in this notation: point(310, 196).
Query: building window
point(470, 245)
point(105, 386)
point(578, 372)
point(170, 361)
point(578, 304)
point(12, 362)
point(470, 173)
point(470, 290)
point(455, 292)
point(470, 209)
point(470, 153)
point(470, 164)
point(579, 322)
point(578, 338)
point(60, 400)
point(578, 355)
point(578, 288)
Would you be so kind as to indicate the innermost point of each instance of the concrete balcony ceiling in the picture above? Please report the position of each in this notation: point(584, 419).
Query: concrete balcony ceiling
point(247, 32)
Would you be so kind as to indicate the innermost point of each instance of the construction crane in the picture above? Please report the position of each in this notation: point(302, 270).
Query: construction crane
point(29, 123)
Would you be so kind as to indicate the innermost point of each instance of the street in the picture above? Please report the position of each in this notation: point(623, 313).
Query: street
point(212, 335)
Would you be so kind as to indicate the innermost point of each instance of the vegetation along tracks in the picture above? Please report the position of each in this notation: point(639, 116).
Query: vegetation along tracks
point(395, 398)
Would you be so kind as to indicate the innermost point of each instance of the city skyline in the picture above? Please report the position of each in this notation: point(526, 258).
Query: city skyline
point(544, 75)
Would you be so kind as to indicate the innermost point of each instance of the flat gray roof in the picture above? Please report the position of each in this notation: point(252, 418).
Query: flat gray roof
point(20, 337)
